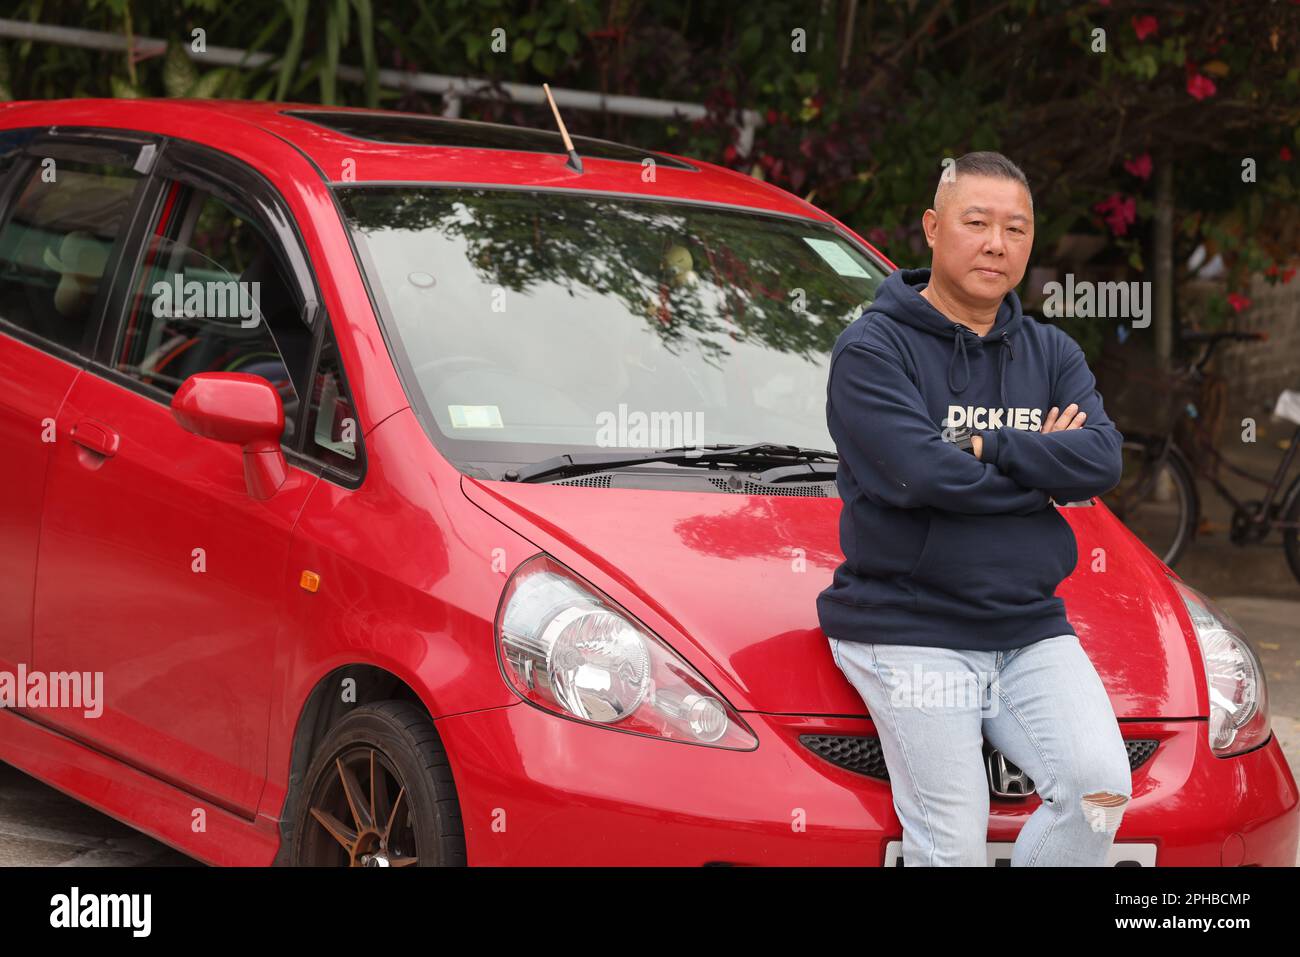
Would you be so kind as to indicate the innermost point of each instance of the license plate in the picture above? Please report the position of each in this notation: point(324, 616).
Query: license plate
point(1119, 855)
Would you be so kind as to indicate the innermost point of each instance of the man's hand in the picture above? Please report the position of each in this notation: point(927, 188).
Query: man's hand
point(1071, 418)
point(1068, 420)
point(1075, 456)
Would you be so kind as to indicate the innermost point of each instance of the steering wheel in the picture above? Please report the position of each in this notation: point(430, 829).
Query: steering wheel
point(447, 362)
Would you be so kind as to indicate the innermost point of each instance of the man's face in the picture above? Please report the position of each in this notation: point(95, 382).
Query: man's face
point(985, 224)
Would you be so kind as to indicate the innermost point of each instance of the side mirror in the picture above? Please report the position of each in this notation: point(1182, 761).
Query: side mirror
point(241, 409)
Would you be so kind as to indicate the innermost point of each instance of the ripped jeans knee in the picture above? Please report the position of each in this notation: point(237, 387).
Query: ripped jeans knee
point(1103, 810)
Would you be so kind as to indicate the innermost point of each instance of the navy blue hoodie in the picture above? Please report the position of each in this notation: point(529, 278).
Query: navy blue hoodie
point(942, 548)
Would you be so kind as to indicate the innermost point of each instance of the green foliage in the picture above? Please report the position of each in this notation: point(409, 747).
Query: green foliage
point(180, 75)
point(123, 89)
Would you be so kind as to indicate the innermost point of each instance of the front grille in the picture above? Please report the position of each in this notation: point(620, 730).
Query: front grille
point(863, 755)
point(857, 754)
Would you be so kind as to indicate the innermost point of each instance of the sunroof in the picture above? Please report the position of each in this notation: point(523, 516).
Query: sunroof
point(440, 131)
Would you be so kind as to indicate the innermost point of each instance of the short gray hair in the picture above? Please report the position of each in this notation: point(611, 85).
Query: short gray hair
point(984, 163)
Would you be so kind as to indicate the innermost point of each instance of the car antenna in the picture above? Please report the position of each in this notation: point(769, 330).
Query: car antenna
point(575, 161)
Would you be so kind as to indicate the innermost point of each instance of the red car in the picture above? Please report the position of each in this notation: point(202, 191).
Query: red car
point(382, 489)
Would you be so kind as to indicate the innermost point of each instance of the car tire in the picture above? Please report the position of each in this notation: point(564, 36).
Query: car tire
point(379, 793)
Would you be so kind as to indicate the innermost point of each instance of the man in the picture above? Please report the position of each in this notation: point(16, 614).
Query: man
point(958, 422)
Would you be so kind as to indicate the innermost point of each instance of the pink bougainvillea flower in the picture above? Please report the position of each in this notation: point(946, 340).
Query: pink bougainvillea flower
point(1139, 166)
point(1144, 26)
point(1237, 301)
point(1199, 85)
point(1288, 275)
point(1120, 212)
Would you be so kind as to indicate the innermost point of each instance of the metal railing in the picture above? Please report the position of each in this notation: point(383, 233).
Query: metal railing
point(452, 89)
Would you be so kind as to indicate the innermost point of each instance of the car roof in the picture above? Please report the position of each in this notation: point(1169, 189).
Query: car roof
point(352, 145)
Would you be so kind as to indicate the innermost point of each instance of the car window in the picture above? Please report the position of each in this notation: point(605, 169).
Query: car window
point(331, 418)
point(212, 295)
point(55, 245)
point(12, 143)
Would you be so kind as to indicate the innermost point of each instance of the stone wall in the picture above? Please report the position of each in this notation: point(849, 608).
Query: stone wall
point(1258, 371)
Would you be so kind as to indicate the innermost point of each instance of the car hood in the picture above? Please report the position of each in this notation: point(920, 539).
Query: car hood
point(736, 577)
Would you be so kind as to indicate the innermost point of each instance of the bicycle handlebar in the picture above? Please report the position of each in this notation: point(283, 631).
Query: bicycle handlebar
point(1212, 340)
point(1221, 335)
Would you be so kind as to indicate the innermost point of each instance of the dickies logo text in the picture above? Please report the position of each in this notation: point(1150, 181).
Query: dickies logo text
point(982, 417)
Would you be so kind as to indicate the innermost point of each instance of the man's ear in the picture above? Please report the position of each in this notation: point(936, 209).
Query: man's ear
point(929, 223)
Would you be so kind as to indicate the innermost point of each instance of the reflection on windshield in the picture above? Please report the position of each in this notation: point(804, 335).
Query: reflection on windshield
point(584, 322)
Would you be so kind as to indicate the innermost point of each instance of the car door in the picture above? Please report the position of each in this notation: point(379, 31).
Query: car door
point(157, 570)
point(65, 203)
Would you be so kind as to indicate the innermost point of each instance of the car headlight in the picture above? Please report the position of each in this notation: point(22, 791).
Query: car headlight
point(1238, 695)
point(567, 647)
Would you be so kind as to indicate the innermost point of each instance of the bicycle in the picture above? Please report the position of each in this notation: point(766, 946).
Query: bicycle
point(1157, 496)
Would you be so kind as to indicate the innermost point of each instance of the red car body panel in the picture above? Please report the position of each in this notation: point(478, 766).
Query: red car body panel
point(118, 591)
point(745, 547)
point(637, 800)
point(36, 384)
point(584, 797)
point(424, 581)
point(206, 686)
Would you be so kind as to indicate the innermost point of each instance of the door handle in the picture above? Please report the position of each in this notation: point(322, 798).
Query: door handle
point(96, 437)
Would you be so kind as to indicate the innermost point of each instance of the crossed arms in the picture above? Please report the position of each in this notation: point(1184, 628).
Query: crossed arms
point(895, 451)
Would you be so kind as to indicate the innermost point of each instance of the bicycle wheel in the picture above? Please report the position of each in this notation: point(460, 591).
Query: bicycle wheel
point(1156, 497)
point(1291, 536)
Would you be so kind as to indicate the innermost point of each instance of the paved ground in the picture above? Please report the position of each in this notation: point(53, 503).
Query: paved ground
point(40, 826)
point(1254, 585)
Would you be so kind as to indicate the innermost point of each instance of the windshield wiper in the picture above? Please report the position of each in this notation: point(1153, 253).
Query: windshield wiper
point(808, 472)
point(711, 455)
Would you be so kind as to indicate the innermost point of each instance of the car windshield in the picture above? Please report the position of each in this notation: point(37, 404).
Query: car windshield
point(531, 323)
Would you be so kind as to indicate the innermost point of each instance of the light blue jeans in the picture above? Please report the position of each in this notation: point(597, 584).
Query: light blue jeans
point(1043, 706)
